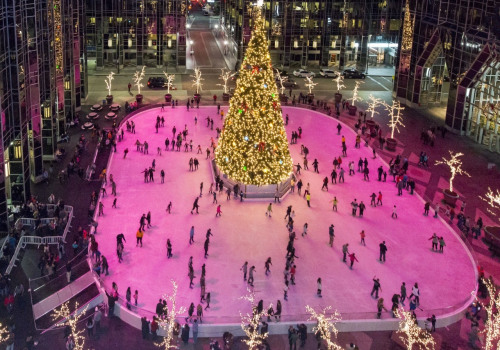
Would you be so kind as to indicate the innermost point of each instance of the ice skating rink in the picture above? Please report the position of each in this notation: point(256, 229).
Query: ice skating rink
point(244, 233)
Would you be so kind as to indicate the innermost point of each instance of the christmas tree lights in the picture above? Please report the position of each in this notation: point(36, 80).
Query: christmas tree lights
point(250, 323)
point(71, 319)
point(455, 166)
point(326, 326)
point(108, 80)
point(253, 146)
point(170, 81)
point(411, 334)
point(168, 323)
point(138, 76)
point(197, 80)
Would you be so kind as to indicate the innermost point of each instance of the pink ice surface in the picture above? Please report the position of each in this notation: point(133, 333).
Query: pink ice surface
point(244, 233)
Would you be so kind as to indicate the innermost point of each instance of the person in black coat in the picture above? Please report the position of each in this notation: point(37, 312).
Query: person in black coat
point(185, 333)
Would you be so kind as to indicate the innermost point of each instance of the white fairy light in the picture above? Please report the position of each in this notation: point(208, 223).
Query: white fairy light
point(372, 105)
point(71, 319)
point(197, 80)
point(355, 96)
point(455, 166)
point(138, 76)
point(396, 118)
point(411, 334)
point(108, 80)
point(168, 324)
point(339, 80)
point(326, 326)
point(225, 76)
point(310, 84)
point(250, 323)
point(170, 81)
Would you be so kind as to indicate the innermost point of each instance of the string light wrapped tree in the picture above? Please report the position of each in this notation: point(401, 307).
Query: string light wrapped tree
point(372, 109)
point(339, 81)
point(71, 319)
point(250, 324)
point(168, 324)
point(138, 76)
point(225, 76)
point(455, 165)
point(493, 199)
point(411, 334)
point(169, 78)
point(197, 83)
point(395, 120)
point(108, 80)
point(310, 85)
point(355, 97)
point(491, 330)
point(253, 146)
point(282, 79)
point(326, 326)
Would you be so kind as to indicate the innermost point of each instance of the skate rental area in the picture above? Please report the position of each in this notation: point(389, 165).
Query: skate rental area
point(243, 232)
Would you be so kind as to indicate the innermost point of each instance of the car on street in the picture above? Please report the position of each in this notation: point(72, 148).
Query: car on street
point(327, 73)
point(156, 82)
point(159, 83)
point(352, 73)
point(303, 73)
point(288, 83)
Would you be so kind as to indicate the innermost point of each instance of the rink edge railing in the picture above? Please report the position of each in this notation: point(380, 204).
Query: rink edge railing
point(365, 321)
point(37, 240)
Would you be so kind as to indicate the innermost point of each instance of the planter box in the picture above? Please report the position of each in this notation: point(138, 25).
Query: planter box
point(109, 99)
point(338, 98)
point(138, 98)
point(352, 110)
point(391, 144)
point(225, 97)
point(168, 98)
point(450, 197)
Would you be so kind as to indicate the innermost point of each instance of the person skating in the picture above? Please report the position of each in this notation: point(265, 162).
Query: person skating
point(285, 291)
point(383, 250)
point(218, 211)
point(394, 213)
point(325, 183)
point(205, 246)
point(304, 232)
point(354, 206)
point(250, 275)
point(442, 244)
point(319, 288)
point(345, 251)
point(352, 258)
point(331, 233)
point(169, 207)
point(277, 313)
point(269, 209)
point(191, 278)
point(415, 292)
point(334, 202)
point(139, 236)
point(362, 208)
point(380, 307)
point(379, 198)
point(201, 189)
point(267, 265)
point(195, 206)
point(315, 165)
point(376, 287)
point(244, 268)
point(191, 235)
point(435, 241)
point(363, 235)
point(169, 249)
point(402, 294)
point(373, 197)
point(427, 207)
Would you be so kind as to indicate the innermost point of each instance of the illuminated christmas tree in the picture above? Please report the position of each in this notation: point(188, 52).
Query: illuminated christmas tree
point(253, 147)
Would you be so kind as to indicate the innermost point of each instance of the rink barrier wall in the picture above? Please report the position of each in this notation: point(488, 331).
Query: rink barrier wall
point(351, 322)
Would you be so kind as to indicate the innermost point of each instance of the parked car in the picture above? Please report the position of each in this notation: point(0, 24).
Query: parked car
point(303, 73)
point(156, 83)
point(351, 73)
point(327, 73)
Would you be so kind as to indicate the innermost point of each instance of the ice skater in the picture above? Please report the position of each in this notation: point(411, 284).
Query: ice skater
point(394, 213)
point(191, 235)
point(345, 251)
point(169, 249)
point(383, 250)
point(319, 288)
point(195, 206)
point(269, 209)
point(304, 232)
point(219, 211)
point(169, 207)
point(205, 247)
point(244, 268)
point(352, 258)
point(250, 275)
point(267, 265)
point(331, 233)
point(376, 287)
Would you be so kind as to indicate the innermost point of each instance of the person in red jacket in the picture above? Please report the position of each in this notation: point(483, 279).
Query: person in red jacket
point(352, 257)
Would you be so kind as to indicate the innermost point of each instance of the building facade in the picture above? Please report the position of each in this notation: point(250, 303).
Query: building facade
point(148, 33)
point(450, 57)
point(319, 33)
point(41, 87)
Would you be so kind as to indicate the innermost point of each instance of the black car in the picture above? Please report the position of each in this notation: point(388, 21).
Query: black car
point(351, 73)
point(156, 83)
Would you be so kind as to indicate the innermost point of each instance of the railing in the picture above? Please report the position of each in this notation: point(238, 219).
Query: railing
point(36, 240)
